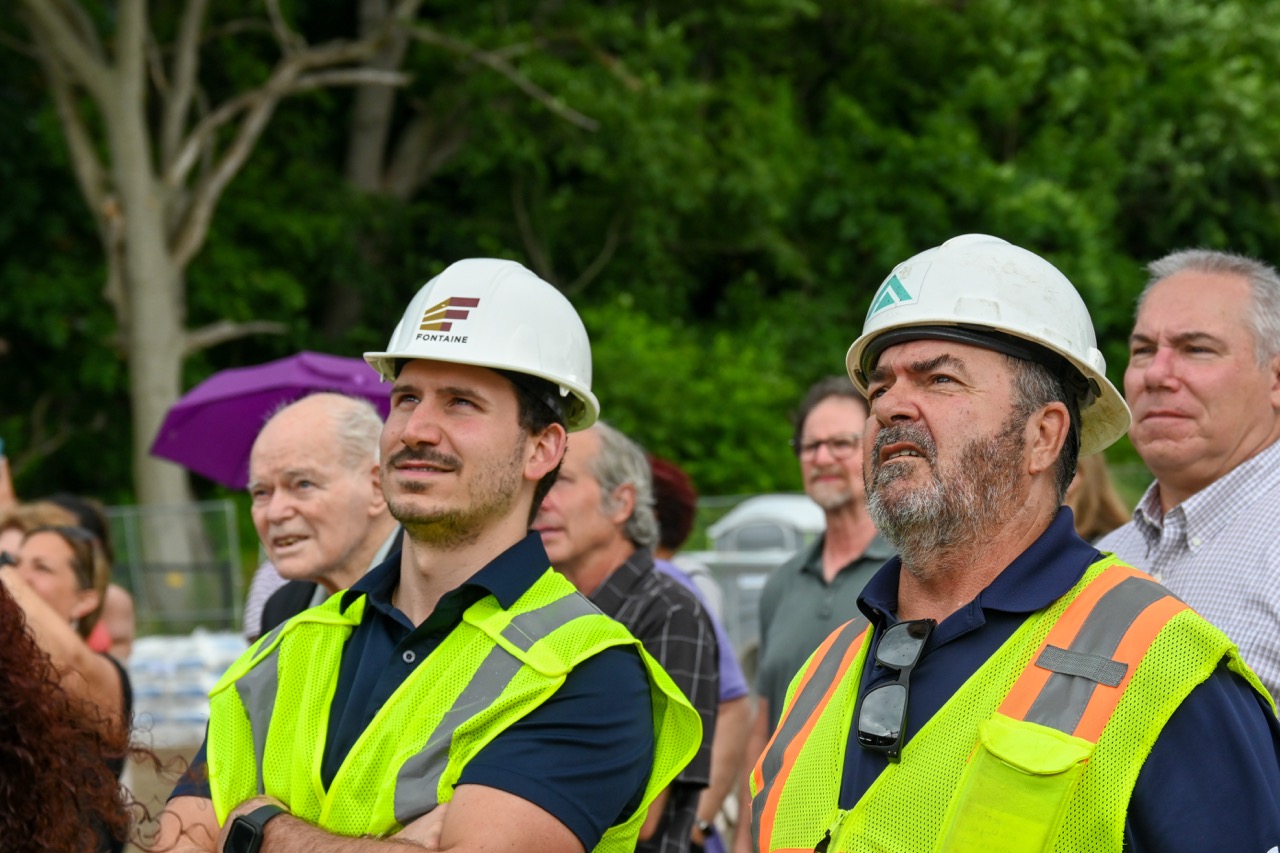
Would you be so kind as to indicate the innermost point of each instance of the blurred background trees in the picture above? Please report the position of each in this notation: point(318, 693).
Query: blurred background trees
point(719, 187)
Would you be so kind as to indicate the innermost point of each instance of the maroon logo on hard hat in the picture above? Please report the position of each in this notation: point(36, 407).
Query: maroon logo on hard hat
point(438, 317)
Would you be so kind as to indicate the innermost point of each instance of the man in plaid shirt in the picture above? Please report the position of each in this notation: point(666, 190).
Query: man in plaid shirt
point(1203, 381)
point(598, 527)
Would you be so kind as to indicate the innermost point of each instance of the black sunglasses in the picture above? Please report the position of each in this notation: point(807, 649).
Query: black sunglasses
point(883, 712)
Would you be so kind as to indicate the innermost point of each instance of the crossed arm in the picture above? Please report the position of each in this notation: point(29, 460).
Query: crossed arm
point(478, 819)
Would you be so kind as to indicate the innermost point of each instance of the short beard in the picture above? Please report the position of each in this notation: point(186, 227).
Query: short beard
point(495, 490)
point(960, 503)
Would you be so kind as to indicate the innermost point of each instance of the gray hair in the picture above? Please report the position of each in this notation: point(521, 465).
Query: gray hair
point(1035, 386)
point(357, 426)
point(621, 461)
point(1264, 283)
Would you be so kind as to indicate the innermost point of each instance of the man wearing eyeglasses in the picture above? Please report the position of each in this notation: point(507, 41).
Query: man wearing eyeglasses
point(1017, 690)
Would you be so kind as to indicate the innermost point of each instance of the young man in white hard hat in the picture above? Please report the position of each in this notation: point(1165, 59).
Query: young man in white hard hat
point(1017, 690)
point(463, 670)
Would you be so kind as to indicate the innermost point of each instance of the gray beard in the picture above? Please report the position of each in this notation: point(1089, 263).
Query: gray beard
point(960, 502)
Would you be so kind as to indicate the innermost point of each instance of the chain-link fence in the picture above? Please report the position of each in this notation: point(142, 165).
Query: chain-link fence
point(181, 563)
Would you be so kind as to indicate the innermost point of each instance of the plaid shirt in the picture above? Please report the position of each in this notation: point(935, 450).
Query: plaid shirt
point(1218, 552)
point(673, 627)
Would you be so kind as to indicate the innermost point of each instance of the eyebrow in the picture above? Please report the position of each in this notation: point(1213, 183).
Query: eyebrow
point(1179, 339)
point(878, 373)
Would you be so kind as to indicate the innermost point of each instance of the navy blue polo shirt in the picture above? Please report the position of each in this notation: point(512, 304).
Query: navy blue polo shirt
point(584, 755)
point(1212, 781)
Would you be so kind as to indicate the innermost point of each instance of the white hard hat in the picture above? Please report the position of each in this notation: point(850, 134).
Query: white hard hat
point(497, 314)
point(984, 291)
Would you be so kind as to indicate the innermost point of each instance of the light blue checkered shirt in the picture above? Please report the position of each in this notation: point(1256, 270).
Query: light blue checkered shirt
point(1219, 551)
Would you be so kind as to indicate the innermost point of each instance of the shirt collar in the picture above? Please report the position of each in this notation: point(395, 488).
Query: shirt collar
point(1212, 506)
point(878, 549)
point(507, 577)
point(1036, 578)
point(616, 588)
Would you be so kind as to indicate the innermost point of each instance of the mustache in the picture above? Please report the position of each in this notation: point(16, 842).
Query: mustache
point(424, 454)
point(907, 433)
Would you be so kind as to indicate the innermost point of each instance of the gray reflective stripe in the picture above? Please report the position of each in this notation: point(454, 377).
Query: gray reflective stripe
point(528, 628)
point(1064, 697)
point(418, 779)
point(802, 708)
point(1097, 668)
point(257, 689)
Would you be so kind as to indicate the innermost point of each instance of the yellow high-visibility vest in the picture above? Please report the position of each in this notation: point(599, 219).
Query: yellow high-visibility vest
point(1039, 750)
point(269, 712)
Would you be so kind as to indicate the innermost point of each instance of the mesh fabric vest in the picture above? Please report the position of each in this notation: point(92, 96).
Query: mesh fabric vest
point(269, 712)
point(1039, 750)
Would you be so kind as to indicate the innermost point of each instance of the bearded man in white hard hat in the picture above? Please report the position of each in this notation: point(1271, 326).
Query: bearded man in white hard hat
point(463, 670)
point(1017, 690)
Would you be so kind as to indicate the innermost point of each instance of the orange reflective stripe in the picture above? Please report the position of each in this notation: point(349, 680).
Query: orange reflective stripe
point(815, 662)
point(791, 734)
point(1033, 678)
point(1080, 672)
point(1132, 649)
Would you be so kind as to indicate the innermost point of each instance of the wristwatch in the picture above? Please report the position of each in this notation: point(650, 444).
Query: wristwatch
point(704, 826)
point(245, 834)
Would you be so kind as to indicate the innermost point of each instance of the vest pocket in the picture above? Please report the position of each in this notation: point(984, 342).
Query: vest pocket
point(1014, 793)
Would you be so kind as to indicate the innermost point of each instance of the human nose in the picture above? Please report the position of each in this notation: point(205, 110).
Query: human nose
point(421, 427)
point(1161, 368)
point(894, 404)
point(279, 506)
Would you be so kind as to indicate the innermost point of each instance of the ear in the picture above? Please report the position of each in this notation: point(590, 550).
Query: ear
point(545, 451)
point(621, 504)
point(377, 500)
point(1046, 433)
point(86, 602)
point(1273, 367)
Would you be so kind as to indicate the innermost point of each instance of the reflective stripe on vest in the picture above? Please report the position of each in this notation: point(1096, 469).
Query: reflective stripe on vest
point(1077, 677)
point(1081, 656)
point(419, 777)
point(826, 669)
point(269, 712)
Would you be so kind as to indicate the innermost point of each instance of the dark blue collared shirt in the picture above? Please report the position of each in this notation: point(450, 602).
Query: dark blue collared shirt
point(1212, 781)
point(584, 755)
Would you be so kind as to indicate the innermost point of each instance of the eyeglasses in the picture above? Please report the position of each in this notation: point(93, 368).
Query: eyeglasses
point(840, 446)
point(883, 714)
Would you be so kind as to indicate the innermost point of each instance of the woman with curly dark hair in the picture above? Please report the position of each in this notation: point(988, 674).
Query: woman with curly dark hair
point(57, 790)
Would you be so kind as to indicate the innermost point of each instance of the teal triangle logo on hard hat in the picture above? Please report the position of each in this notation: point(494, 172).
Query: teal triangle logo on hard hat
point(891, 293)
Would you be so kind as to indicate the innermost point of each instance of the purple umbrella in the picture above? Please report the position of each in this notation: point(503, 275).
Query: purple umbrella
point(211, 429)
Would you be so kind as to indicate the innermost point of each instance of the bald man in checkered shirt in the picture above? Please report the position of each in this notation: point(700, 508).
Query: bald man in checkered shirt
point(1203, 381)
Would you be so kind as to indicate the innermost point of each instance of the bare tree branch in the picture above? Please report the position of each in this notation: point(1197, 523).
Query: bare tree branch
point(611, 239)
point(87, 69)
point(348, 77)
point(131, 51)
point(186, 64)
point(227, 330)
point(85, 29)
point(423, 147)
point(533, 245)
point(155, 68)
point(259, 107)
point(429, 35)
point(290, 41)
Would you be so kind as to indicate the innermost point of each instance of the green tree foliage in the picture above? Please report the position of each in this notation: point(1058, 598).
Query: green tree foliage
point(720, 187)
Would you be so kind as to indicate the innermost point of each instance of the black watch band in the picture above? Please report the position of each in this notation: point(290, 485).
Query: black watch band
point(704, 826)
point(246, 832)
